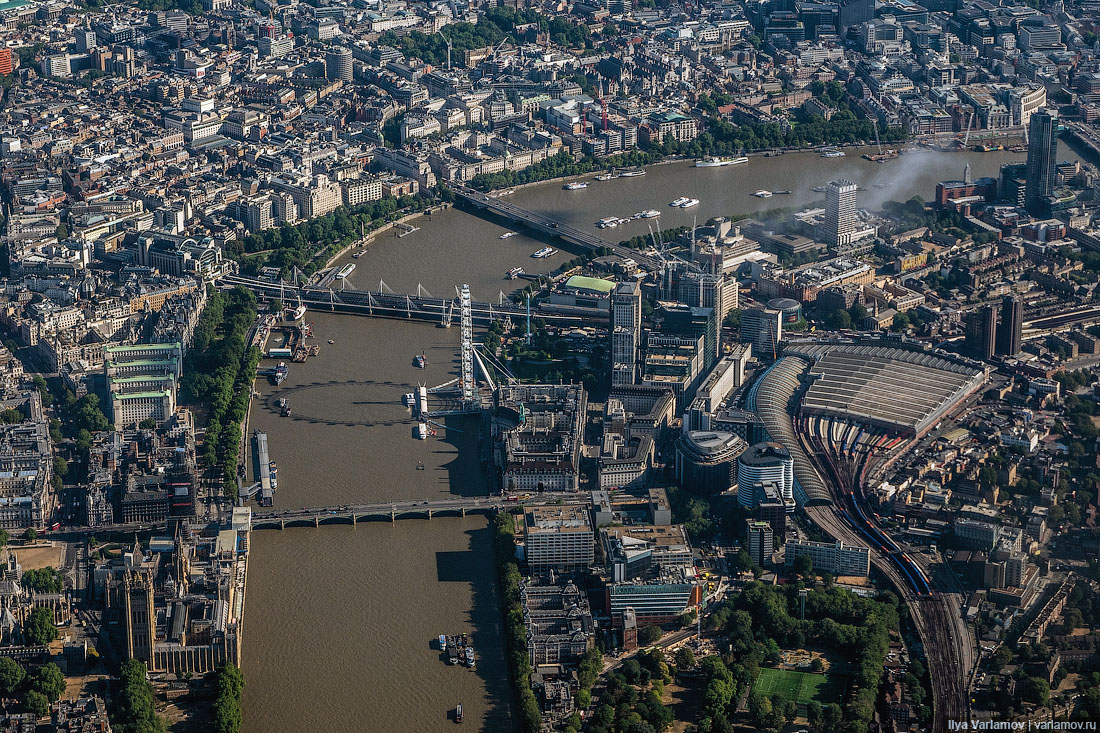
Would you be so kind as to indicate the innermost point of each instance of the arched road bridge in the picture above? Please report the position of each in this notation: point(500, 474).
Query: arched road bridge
point(391, 510)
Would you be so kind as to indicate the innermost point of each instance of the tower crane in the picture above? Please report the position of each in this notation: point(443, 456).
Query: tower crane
point(448, 42)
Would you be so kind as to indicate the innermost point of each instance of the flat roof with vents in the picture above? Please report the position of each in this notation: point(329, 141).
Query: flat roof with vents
point(896, 389)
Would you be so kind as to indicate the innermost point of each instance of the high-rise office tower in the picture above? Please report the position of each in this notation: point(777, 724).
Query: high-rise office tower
point(1010, 331)
point(338, 64)
point(626, 332)
point(840, 212)
point(981, 329)
point(763, 328)
point(1042, 154)
point(760, 542)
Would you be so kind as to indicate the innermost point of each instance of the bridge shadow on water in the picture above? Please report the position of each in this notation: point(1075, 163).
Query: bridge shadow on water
point(476, 566)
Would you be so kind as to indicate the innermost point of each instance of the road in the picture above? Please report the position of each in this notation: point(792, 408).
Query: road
point(663, 643)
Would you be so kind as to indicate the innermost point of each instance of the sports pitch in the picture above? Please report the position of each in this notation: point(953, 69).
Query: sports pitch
point(800, 687)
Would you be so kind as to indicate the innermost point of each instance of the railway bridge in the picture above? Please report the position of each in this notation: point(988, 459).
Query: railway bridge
point(402, 306)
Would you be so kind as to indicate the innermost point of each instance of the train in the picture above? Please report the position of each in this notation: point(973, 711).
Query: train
point(914, 576)
point(848, 439)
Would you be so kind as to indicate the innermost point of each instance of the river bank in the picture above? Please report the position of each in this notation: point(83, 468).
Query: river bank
point(371, 236)
point(356, 608)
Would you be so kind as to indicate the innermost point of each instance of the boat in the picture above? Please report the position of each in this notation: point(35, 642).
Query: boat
point(819, 189)
point(715, 162)
point(331, 341)
point(881, 157)
point(442, 642)
point(507, 235)
point(282, 371)
point(458, 713)
point(409, 399)
point(881, 186)
point(608, 222)
point(679, 202)
point(515, 272)
point(423, 431)
point(689, 203)
point(762, 194)
point(298, 313)
point(420, 360)
point(780, 193)
point(286, 410)
point(281, 402)
point(575, 186)
point(606, 177)
point(273, 474)
point(647, 214)
point(543, 253)
point(830, 153)
point(632, 173)
point(345, 271)
point(471, 661)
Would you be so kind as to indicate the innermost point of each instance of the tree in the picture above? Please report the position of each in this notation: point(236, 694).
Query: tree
point(12, 675)
point(40, 629)
point(49, 681)
point(11, 416)
point(227, 706)
point(649, 634)
point(803, 565)
point(148, 424)
point(814, 715)
point(685, 658)
point(43, 580)
point(831, 717)
point(900, 322)
point(1036, 690)
point(838, 320)
point(760, 709)
point(4, 538)
point(60, 466)
point(135, 712)
point(816, 665)
point(1000, 658)
point(30, 534)
point(37, 703)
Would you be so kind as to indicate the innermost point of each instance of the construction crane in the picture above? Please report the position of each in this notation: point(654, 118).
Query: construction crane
point(448, 42)
point(874, 123)
point(969, 122)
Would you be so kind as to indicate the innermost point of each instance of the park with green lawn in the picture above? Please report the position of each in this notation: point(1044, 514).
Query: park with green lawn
point(800, 688)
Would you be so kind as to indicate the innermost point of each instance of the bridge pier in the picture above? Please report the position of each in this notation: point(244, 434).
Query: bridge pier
point(316, 521)
point(463, 512)
point(393, 516)
point(354, 519)
point(429, 513)
point(282, 524)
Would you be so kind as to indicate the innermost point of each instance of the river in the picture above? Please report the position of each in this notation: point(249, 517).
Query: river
point(340, 619)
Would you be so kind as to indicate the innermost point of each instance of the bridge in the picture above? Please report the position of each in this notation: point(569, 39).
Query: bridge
point(397, 305)
point(354, 513)
point(551, 227)
point(381, 511)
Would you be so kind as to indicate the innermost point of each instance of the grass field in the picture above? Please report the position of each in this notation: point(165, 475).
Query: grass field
point(800, 687)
